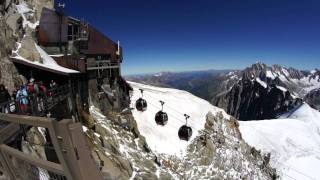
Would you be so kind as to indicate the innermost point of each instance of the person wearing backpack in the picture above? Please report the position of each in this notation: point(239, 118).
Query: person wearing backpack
point(22, 99)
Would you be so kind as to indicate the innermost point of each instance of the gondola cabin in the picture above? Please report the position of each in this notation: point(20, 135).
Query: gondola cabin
point(141, 104)
point(161, 118)
point(185, 133)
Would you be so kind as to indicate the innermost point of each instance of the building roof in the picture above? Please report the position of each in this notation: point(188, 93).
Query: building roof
point(49, 64)
point(101, 44)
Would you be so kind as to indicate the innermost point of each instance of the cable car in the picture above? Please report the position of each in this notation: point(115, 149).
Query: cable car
point(141, 104)
point(161, 117)
point(185, 131)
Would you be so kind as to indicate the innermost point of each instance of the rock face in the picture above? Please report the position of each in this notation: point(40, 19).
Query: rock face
point(264, 92)
point(219, 152)
point(17, 25)
point(313, 98)
point(258, 96)
point(28, 50)
point(39, 4)
point(8, 73)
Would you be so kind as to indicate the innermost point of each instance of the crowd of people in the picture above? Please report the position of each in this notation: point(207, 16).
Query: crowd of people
point(26, 99)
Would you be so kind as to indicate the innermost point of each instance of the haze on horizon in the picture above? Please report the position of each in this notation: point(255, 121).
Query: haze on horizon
point(172, 35)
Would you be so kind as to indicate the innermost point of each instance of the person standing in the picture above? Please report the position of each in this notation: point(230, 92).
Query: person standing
point(22, 98)
point(4, 99)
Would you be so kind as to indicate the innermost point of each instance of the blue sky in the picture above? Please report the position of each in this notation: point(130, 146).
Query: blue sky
point(172, 35)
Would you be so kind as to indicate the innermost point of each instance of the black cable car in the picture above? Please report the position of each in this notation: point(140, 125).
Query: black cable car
point(185, 131)
point(161, 117)
point(141, 104)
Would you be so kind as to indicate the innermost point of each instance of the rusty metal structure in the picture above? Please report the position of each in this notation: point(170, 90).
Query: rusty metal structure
point(77, 45)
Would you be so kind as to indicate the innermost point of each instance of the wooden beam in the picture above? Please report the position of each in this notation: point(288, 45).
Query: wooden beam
point(53, 167)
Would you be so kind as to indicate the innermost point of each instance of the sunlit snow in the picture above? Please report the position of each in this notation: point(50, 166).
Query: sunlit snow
point(293, 140)
point(164, 139)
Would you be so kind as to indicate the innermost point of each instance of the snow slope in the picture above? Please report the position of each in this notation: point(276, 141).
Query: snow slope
point(164, 139)
point(293, 140)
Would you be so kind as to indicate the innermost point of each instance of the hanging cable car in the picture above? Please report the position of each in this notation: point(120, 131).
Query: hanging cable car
point(161, 117)
point(185, 131)
point(141, 104)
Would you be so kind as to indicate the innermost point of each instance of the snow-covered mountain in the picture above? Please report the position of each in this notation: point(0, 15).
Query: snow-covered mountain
point(293, 140)
point(216, 149)
point(256, 92)
point(298, 81)
point(263, 92)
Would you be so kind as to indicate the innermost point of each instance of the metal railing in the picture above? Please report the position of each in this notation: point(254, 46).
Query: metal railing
point(102, 64)
point(39, 104)
point(70, 148)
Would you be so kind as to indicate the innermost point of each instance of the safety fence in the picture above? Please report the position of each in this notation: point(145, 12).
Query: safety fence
point(36, 104)
point(67, 143)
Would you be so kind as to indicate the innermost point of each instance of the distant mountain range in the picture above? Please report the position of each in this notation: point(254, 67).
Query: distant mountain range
point(257, 92)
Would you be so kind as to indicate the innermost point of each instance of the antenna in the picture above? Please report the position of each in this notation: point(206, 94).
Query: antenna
point(61, 5)
point(187, 117)
point(118, 50)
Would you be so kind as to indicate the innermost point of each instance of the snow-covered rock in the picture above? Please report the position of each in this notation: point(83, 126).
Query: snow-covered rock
point(216, 149)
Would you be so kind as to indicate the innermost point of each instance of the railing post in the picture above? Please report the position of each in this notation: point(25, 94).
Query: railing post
point(58, 149)
point(71, 154)
point(8, 172)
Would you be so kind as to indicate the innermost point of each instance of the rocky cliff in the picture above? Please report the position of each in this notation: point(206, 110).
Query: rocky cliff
point(258, 96)
point(219, 152)
point(313, 98)
point(17, 24)
point(8, 37)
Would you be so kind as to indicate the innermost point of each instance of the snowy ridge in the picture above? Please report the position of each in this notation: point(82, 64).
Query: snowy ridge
point(164, 139)
point(293, 140)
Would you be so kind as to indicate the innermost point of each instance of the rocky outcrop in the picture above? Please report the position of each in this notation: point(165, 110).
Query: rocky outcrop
point(249, 100)
point(39, 4)
point(124, 152)
point(219, 152)
point(313, 98)
point(258, 96)
point(28, 49)
point(8, 73)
